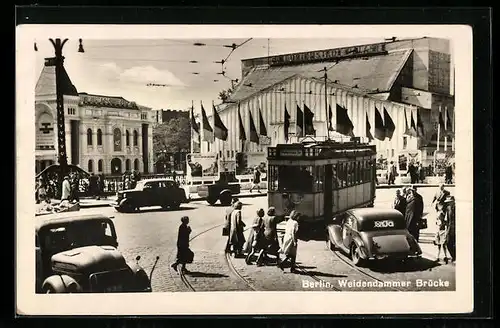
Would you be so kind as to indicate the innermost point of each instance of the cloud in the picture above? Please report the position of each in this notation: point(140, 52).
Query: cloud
point(149, 74)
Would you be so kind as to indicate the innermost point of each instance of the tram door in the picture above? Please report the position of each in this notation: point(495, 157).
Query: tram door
point(328, 192)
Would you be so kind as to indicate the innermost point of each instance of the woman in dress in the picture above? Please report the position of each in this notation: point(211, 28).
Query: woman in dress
point(236, 236)
point(290, 241)
point(441, 238)
point(184, 254)
point(254, 242)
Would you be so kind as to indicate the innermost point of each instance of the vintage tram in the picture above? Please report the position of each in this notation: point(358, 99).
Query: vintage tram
point(321, 178)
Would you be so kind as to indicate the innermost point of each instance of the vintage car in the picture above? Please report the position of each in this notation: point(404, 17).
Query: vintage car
point(77, 253)
point(372, 234)
point(155, 192)
point(223, 189)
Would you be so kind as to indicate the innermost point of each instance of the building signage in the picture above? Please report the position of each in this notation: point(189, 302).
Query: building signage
point(290, 152)
point(45, 134)
point(330, 54)
point(102, 101)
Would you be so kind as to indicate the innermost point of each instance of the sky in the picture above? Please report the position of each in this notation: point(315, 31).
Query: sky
point(126, 67)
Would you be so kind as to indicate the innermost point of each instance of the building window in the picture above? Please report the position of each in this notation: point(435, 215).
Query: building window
point(89, 137)
point(91, 165)
point(232, 153)
point(127, 138)
point(99, 165)
point(392, 152)
point(127, 165)
point(99, 137)
point(136, 164)
point(405, 142)
point(136, 138)
point(71, 111)
point(228, 154)
point(144, 116)
point(117, 139)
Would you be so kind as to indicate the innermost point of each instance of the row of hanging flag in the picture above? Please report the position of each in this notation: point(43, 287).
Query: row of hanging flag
point(384, 125)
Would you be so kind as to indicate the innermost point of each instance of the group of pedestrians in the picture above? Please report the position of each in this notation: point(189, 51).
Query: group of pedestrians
point(129, 179)
point(262, 241)
point(417, 173)
point(410, 203)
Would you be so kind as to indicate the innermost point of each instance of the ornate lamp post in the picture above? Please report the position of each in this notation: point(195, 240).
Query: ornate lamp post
point(61, 126)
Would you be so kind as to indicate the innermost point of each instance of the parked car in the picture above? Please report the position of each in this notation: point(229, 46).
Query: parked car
point(77, 253)
point(155, 192)
point(372, 234)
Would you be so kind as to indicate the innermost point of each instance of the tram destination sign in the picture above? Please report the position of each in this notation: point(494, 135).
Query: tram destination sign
point(290, 152)
point(329, 54)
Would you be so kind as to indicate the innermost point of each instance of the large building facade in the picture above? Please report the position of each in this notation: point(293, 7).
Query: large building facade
point(104, 134)
point(411, 80)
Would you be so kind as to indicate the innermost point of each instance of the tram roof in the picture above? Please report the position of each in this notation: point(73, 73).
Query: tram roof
point(329, 144)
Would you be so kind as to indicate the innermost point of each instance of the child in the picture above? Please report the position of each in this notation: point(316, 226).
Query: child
point(441, 239)
point(184, 254)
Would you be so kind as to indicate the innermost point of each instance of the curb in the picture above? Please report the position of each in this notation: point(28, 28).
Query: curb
point(197, 198)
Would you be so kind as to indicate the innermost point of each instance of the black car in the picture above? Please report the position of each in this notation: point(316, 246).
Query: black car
point(155, 192)
point(372, 234)
point(78, 253)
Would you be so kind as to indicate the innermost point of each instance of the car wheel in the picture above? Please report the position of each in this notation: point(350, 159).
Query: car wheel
point(331, 246)
point(48, 290)
point(356, 259)
point(175, 206)
point(225, 199)
point(211, 200)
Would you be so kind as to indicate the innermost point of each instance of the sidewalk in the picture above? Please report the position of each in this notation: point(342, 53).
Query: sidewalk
point(90, 202)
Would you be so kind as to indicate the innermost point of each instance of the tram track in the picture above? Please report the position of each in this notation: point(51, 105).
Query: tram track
point(227, 258)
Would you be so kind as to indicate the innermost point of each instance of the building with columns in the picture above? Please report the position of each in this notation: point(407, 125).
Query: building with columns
point(411, 80)
point(104, 134)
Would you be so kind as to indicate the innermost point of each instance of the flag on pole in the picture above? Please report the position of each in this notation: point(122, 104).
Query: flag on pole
point(308, 121)
point(243, 136)
point(220, 130)
point(286, 123)
point(368, 129)
point(420, 125)
point(208, 133)
point(300, 122)
point(379, 126)
point(254, 136)
point(389, 125)
point(262, 125)
point(344, 124)
point(449, 124)
point(195, 133)
point(413, 127)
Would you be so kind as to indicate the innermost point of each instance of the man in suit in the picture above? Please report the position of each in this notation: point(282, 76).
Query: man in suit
point(400, 202)
point(419, 210)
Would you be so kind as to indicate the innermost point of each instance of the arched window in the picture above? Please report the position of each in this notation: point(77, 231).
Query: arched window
point(117, 139)
point(89, 137)
point(127, 138)
point(136, 164)
point(136, 138)
point(91, 165)
point(99, 165)
point(99, 137)
point(127, 165)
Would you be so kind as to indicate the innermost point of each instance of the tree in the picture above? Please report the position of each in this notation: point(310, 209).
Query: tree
point(173, 136)
point(225, 94)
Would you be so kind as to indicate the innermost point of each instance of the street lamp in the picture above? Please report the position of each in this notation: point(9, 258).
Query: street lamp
point(58, 45)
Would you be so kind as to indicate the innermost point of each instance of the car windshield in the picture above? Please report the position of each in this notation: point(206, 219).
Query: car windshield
point(139, 185)
point(77, 234)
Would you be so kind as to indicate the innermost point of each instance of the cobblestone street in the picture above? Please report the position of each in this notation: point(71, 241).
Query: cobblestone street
point(153, 231)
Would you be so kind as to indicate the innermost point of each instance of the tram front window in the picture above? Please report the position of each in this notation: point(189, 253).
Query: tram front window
point(295, 178)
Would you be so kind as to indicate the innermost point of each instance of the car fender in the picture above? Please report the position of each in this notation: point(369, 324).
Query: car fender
point(224, 191)
point(363, 251)
point(142, 282)
point(62, 284)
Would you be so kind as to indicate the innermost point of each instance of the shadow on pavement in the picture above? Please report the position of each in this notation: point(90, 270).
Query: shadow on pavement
point(411, 265)
point(319, 274)
point(197, 274)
